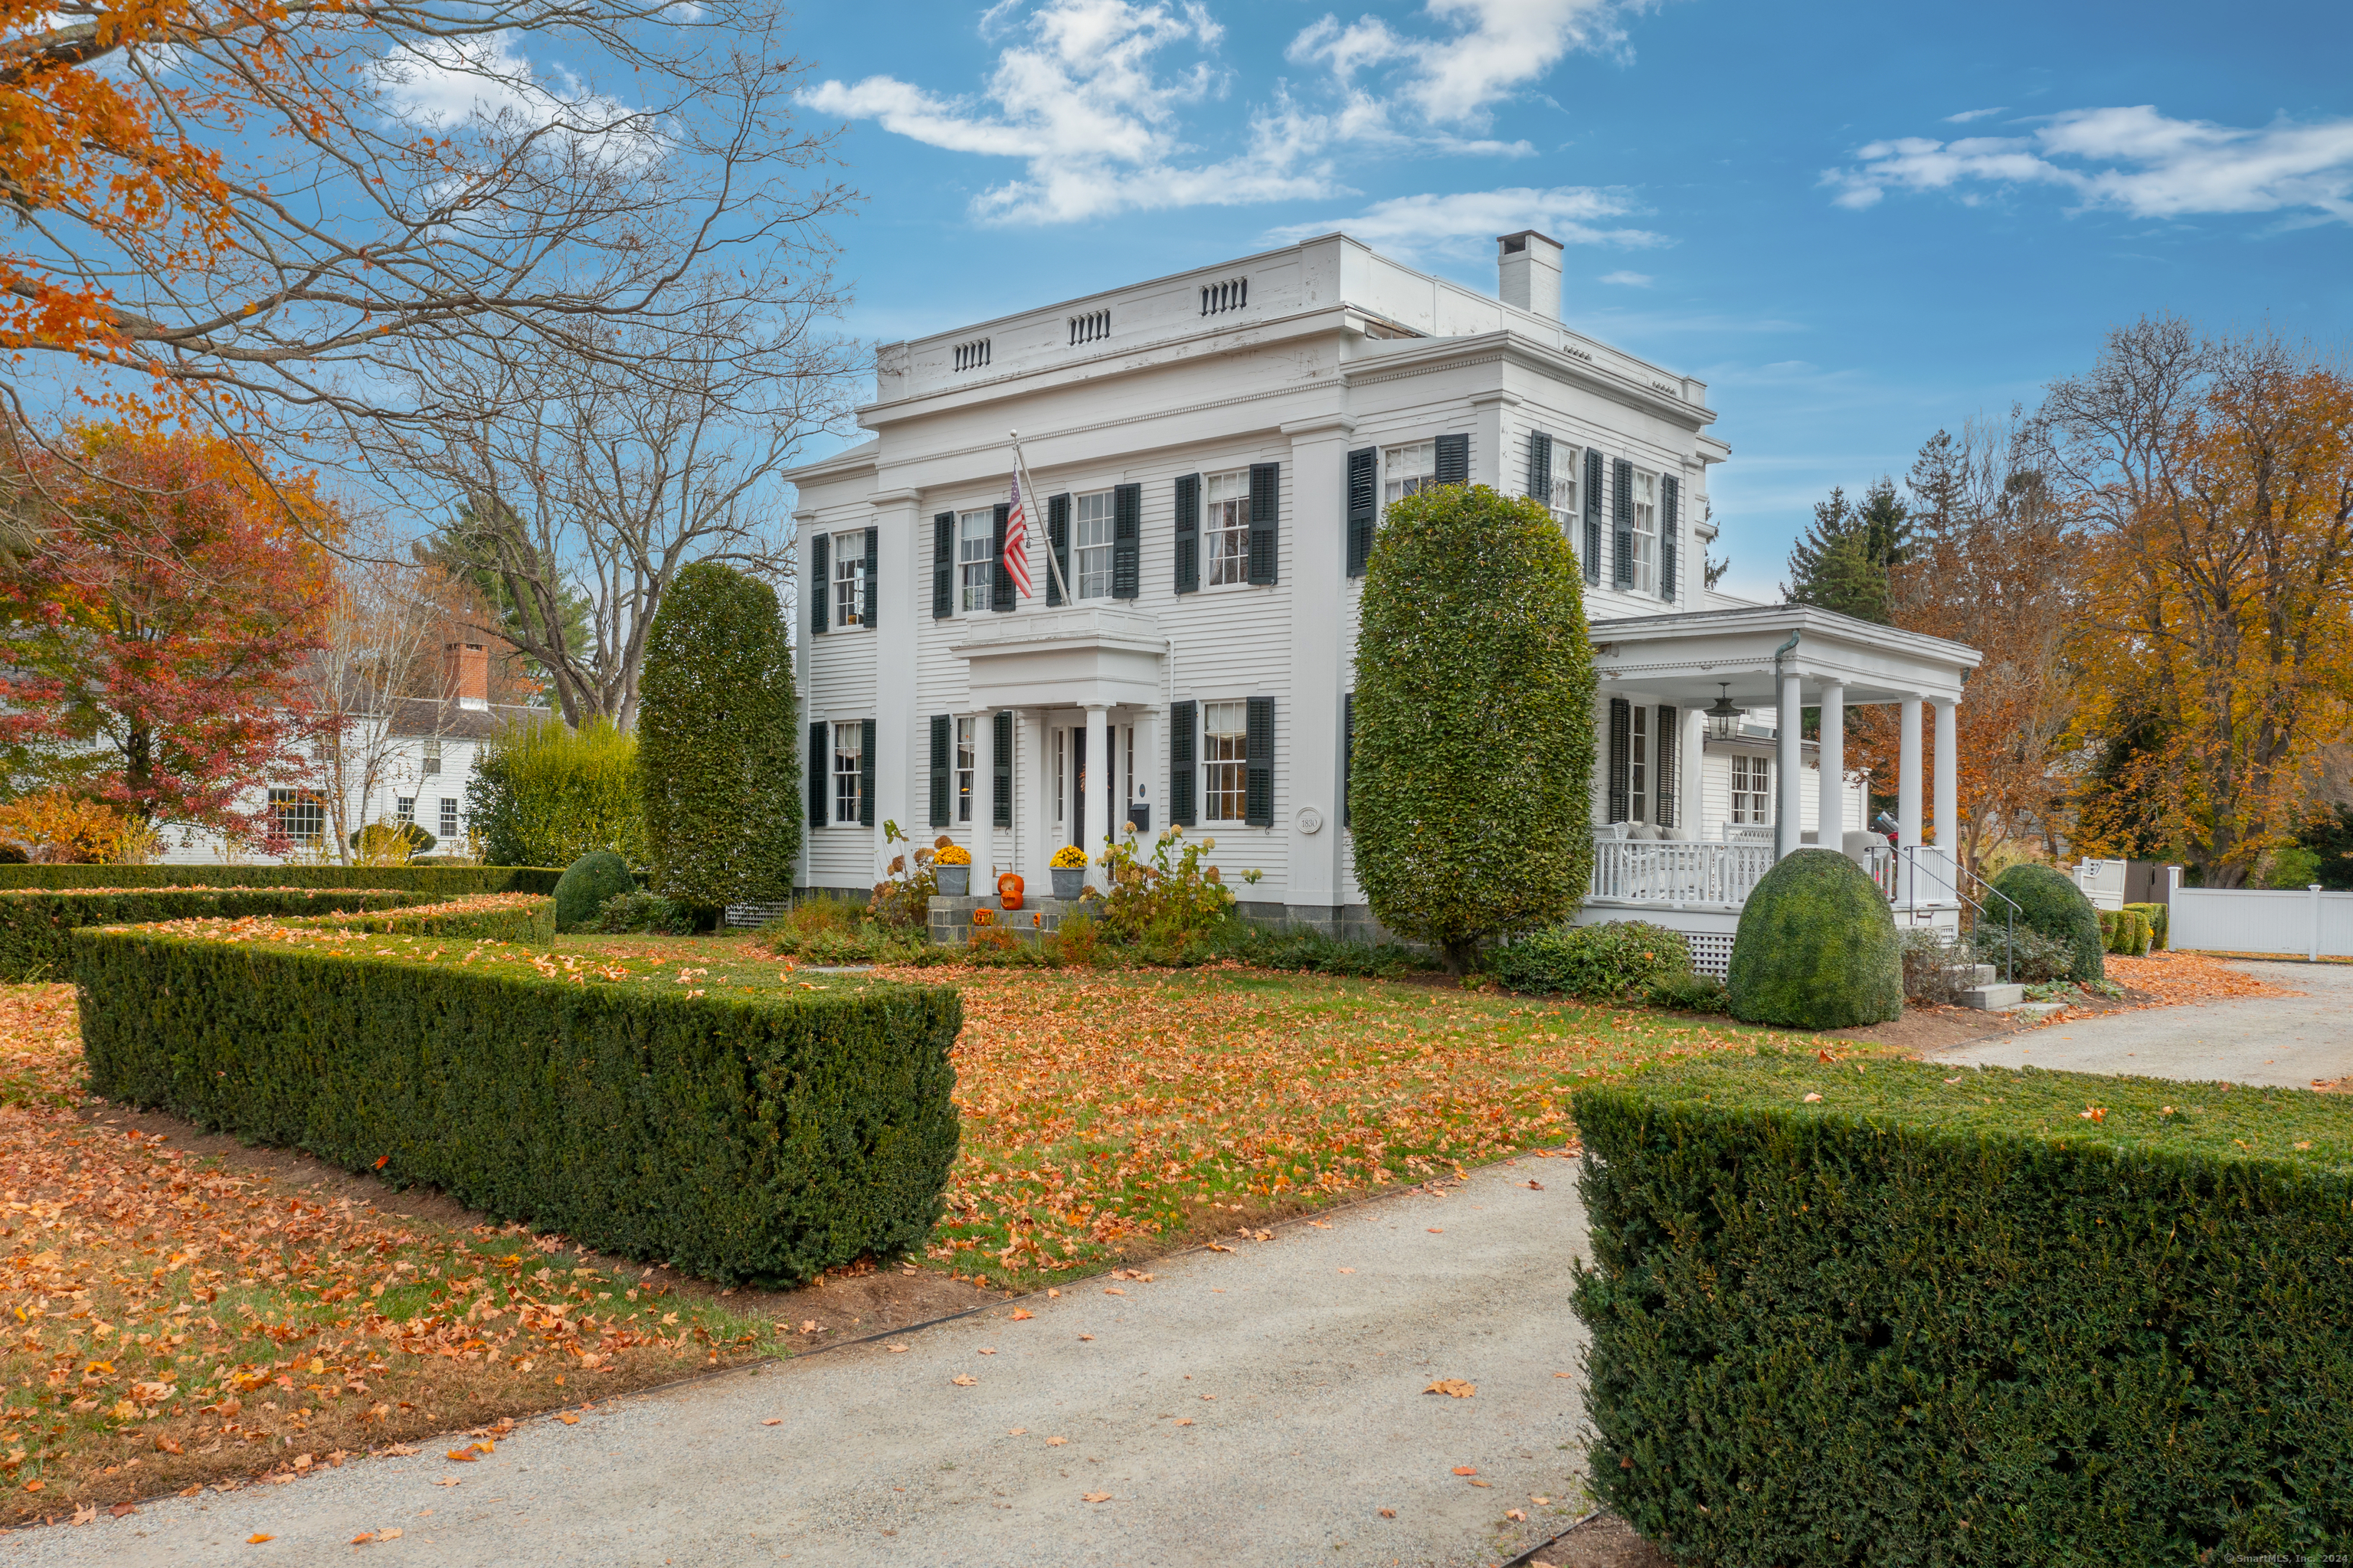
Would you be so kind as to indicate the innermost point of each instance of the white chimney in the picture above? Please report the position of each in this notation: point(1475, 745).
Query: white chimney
point(1528, 266)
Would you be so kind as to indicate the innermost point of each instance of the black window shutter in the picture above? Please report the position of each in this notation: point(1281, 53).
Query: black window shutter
point(1001, 784)
point(820, 578)
point(1183, 724)
point(1363, 505)
point(1126, 540)
point(1001, 581)
point(820, 765)
point(874, 594)
point(1621, 514)
point(866, 773)
point(1667, 740)
point(1540, 468)
point(1622, 757)
point(1058, 539)
point(1347, 751)
point(944, 545)
point(942, 770)
point(1592, 551)
point(1671, 505)
point(1258, 764)
point(1265, 505)
point(1454, 459)
point(1189, 534)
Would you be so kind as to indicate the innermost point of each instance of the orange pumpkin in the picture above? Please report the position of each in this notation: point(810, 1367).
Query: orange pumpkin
point(1008, 889)
point(983, 916)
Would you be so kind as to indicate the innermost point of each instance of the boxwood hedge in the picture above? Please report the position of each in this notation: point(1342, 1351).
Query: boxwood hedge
point(740, 1138)
point(34, 922)
point(444, 881)
point(2020, 1317)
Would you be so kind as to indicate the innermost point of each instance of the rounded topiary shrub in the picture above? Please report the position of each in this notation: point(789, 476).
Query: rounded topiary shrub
point(581, 892)
point(2049, 901)
point(1817, 947)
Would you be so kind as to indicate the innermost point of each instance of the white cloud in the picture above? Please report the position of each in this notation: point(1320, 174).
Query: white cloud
point(1966, 115)
point(1629, 280)
point(1489, 49)
point(2132, 159)
point(445, 84)
point(1082, 100)
point(1465, 224)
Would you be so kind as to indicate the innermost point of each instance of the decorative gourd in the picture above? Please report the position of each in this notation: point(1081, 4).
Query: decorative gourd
point(1008, 889)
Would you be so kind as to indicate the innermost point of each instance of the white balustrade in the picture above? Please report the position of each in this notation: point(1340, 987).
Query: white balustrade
point(1664, 871)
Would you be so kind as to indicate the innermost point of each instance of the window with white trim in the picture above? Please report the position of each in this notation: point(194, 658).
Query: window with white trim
point(1638, 776)
point(1225, 760)
point(1225, 526)
point(299, 814)
point(1646, 533)
point(976, 553)
point(448, 817)
point(1567, 480)
point(404, 808)
point(1408, 470)
point(964, 769)
point(849, 578)
point(1752, 790)
point(1090, 526)
point(848, 752)
point(1061, 771)
point(431, 763)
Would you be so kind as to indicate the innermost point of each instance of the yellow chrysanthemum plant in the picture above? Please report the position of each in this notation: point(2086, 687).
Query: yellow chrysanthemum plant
point(1070, 857)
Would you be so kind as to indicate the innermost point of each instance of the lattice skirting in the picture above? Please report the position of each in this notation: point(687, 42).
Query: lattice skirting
point(1711, 952)
point(752, 916)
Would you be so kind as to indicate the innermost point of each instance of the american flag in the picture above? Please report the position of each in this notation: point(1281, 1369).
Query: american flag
point(1017, 541)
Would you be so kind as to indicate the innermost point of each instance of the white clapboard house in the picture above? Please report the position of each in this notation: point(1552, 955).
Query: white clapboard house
point(1214, 450)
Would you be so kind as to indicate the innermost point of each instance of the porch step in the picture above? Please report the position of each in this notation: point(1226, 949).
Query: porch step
point(1995, 998)
point(1983, 974)
point(2037, 1009)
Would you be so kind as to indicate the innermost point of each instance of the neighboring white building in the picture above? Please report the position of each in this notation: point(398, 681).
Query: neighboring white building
point(1215, 449)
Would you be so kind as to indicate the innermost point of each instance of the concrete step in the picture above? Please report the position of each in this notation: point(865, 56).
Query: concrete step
point(1984, 974)
point(2037, 1009)
point(1994, 997)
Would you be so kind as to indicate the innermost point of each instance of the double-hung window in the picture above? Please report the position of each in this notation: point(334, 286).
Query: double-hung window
point(448, 817)
point(1752, 790)
point(849, 748)
point(964, 769)
point(976, 555)
point(1090, 545)
point(1225, 526)
point(1225, 758)
point(1646, 533)
point(849, 578)
point(1638, 779)
point(404, 808)
point(299, 815)
point(1408, 470)
point(1567, 479)
point(432, 765)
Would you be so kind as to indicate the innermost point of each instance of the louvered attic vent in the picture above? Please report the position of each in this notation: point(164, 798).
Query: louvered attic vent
point(972, 356)
point(1092, 327)
point(1231, 295)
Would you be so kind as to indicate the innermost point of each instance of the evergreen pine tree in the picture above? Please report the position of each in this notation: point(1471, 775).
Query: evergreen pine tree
point(1842, 562)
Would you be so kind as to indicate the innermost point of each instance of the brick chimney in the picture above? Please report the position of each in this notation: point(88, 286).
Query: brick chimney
point(466, 673)
point(1528, 268)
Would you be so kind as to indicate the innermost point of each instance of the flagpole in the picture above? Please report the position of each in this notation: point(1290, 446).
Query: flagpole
point(1044, 531)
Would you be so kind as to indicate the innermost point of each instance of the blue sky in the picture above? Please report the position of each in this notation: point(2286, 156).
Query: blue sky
point(1857, 223)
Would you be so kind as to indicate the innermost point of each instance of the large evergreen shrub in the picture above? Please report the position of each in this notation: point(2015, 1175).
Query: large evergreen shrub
point(1599, 963)
point(2049, 901)
point(1921, 1324)
point(1472, 762)
point(718, 757)
point(587, 885)
point(1815, 947)
point(545, 795)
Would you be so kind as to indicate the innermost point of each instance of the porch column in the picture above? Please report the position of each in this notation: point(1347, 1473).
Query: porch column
point(1948, 794)
point(1907, 793)
point(1785, 823)
point(984, 804)
point(1098, 785)
point(1830, 817)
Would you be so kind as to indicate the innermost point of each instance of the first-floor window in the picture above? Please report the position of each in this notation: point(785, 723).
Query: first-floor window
point(1090, 545)
point(976, 553)
point(1408, 470)
point(404, 808)
point(964, 769)
point(448, 818)
point(1061, 771)
point(847, 753)
point(1752, 790)
point(849, 578)
point(1225, 526)
point(1638, 779)
point(299, 815)
point(1225, 737)
point(1646, 533)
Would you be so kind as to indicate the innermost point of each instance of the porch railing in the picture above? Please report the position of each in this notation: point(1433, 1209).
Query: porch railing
point(1666, 872)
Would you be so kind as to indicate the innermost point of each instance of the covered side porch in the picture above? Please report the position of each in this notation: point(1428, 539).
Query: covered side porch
point(1705, 779)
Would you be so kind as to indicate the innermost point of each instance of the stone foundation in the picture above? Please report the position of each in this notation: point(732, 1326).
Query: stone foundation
point(951, 918)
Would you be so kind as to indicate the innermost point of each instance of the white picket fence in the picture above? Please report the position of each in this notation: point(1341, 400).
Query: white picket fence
point(2313, 924)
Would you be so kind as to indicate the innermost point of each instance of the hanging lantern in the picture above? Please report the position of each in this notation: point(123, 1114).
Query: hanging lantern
point(1723, 718)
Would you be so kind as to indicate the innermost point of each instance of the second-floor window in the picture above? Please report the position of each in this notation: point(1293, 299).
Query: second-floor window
point(976, 553)
point(847, 753)
point(1566, 474)
point(1225, 758)
point(1752, 790)
point(1091, 524)
point(964, 769)
point(1408, 470)
point(1225, 526)
point(849, 578)
point(1646, 533)
point(432, 765)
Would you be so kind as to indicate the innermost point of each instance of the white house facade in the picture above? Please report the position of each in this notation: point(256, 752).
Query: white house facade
point(1212, 451)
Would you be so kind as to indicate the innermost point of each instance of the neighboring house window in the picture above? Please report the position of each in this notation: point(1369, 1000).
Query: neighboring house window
point(1408, 470)
point(964, 769)
point(432, 763)
point(1638, 789)
point(1091, 544)
point(1646, 533)
point(849, 578)
point(1225, 526)
point(1752, 790)
point(976, 542)
point(300, 815)
point(448, 818)
point(847, 754)
point(404, 808)
point(1225, 731)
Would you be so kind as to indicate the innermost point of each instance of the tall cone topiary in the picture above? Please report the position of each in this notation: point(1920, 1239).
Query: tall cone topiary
point(1815, 947)
point(718, 755)
point(1472, 757)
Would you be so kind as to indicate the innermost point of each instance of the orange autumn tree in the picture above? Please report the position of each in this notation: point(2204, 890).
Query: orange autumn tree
point(2218, 478)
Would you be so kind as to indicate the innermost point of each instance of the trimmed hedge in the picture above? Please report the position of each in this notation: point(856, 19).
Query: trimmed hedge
point(762, 1139)
point(442, 881)
point(515, 918)
point(33, 924)
point(2155, 914)
point(2125, 931)
point(1600, 963)
point(2049, 901)
point(589, 884)
point(1921, 1323)
point(1815, 947)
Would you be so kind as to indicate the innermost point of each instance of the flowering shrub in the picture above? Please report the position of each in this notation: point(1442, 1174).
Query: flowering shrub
point(1070, 857)
point(1169, 902)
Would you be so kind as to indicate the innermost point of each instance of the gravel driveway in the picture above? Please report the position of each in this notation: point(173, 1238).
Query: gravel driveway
point(1257, 1407)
